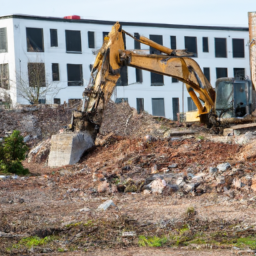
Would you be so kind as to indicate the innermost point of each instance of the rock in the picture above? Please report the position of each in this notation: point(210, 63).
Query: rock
point(172, 166)
point(157, 186)
point(40, 153)
point(198, 178)
point(103, 187)
point(154, 169)
point(212, 170)
point(223, 167)
point(26, 139)
point(85, 209)
point(149, 138)
point(180, 182)
point(188, 187)
point(114, 188)
point(106, 205)
point(128, 234)
point(21, 200)
point(65, 172)
point(146, 192)
point(237, 183)
point(170, 189)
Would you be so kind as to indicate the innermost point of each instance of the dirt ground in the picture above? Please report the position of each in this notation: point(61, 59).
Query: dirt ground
point(59, 206)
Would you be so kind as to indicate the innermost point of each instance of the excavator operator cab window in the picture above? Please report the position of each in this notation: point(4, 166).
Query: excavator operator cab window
point(234, 98)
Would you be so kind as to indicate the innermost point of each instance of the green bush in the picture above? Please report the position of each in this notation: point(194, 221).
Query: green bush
point(12, 152)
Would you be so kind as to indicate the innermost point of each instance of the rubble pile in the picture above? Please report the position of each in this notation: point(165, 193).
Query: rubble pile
point(37, 122)
point(123, 120)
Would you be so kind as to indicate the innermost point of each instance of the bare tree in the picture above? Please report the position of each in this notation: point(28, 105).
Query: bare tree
point(36, 85)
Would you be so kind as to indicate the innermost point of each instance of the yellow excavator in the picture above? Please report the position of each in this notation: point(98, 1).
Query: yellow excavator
point(231, 99)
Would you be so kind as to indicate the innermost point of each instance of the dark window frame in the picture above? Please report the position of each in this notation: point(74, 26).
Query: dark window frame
point(156, 79)
point(71, 43)
point(78, 82)
point(139, 78)
point(236, 53)
point(3, 40)
point(239, 73)
point(218, 52)
point(140, 105)
point(173, 43)
point(31, 44)
point(55, 75)
point(191, 106)
point(54, 37)
point(207, 74)
point(205, 42)
point(57, 101)
point(137, 44)
point(219, 70)
point(36, 73)
point(91, 39)
point(189, 47)
point(174, 80)
point(123, 80)
point(154, 109)
point(120, 100)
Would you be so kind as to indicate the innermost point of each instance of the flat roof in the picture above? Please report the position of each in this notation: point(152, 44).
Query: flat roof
point(124, 23)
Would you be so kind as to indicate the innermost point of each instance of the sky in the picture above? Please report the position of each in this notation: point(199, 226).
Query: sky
point(194, 12)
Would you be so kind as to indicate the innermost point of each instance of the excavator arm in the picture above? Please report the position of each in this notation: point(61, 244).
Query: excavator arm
point(106, 72)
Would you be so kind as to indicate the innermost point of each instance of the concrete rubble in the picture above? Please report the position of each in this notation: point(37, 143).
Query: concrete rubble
point(138, 182)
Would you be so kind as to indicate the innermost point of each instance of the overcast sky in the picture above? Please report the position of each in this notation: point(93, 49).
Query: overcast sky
point(196, 12)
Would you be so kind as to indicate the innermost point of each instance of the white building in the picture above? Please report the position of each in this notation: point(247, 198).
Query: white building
point(66, 46)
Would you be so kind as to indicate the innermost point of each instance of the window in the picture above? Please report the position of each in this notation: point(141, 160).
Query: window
point(207, 73)
point(73, 41)
point(41, 101)
point(74, 102)
point(220, 48)
point(91, 43)
point(104, 34)
point(238, 48)
point(36, 74)
point(75, 74)
point(156, 79)
point(140, 105)
point(120, 100)
point(138, 75)
point(191, 104)
point(54, 37)
point(55, 72)
point(221, 72)
point(175, 80)
point(136, 43)
point(191, 44)
point(205, 44)
point(173, 42)
point(123, 80)
point(158, 107)
point(4, 76)
point(35, 40)
point(158, 39)
point(56, 101)
point(175, 108)
point(3, 40)
point(239, 73)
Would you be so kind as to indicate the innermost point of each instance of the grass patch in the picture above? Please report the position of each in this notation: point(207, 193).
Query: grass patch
point(246, 241)
point(152, 241)
point(33, 241)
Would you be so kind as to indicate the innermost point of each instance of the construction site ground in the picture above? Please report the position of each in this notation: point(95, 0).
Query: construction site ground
point(166, 200)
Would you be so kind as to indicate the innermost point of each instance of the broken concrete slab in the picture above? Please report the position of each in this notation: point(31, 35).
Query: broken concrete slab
point(239, 129)
point(67, 148)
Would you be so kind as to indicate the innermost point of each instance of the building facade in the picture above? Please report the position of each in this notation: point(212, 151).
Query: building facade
point(63, 50)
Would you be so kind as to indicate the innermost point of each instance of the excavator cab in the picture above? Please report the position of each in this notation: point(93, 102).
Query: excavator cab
point(233, 98)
